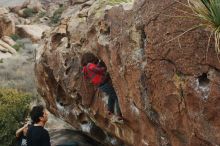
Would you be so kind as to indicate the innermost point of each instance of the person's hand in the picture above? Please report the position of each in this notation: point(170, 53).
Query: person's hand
point(22, 129)
point(25, 128)
point(25, 125)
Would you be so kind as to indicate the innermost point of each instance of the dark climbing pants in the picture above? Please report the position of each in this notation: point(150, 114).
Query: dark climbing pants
point(113, 99)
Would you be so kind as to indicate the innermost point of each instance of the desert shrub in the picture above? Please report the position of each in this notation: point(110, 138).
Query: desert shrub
point(14, 107)
point(17, 46)
point(15, 37)
point(57, 14)
point(41, 14)
point(28, 12)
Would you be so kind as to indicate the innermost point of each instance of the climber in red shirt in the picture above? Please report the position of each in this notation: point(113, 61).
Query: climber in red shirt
point(95, 71)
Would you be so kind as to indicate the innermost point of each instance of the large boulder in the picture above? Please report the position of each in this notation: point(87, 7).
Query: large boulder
point(34, 32)
point(31, 9)
point(5, 55)
point(3, 11)
point(17, 6)
point(4, 47)
point(7, 24)
point(35, 5)
point(168, 86)
point(8, 40)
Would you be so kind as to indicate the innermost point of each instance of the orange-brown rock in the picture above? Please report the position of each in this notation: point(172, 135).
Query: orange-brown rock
point(168, 89)
point(7, 24)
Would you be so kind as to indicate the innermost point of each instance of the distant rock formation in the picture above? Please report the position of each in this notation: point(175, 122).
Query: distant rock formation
point(168, 88)
point(7, 24)
point(34, 32)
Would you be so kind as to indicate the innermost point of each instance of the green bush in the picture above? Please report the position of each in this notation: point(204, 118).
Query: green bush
point(41, 14)
point(28, 12)
point(17, 46)
point(57, 14)
point(14, 107)
point(15, 37)
point(1, 61)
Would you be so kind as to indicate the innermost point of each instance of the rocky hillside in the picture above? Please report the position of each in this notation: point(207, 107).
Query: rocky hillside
point(168, 86)
point(21, 28)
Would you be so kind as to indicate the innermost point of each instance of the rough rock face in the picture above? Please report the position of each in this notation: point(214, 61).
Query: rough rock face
point(7, 24)
point(168, 86)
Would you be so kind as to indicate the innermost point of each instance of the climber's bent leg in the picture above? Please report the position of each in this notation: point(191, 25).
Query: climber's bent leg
point(109, 90)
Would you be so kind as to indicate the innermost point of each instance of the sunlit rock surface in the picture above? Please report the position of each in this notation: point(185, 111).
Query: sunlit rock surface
point(168, 86)
point(34, 32)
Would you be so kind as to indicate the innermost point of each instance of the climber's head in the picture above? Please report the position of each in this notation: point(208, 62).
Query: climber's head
point(88, 58)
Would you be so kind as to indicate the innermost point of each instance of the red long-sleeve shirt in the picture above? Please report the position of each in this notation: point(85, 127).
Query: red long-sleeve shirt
point(94, 73)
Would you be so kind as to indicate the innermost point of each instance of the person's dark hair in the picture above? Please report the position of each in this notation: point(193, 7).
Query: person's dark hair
point(88, 58)
point(36, 113)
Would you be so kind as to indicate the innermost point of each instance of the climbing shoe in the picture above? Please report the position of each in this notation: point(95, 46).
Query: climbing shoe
point(117, 119)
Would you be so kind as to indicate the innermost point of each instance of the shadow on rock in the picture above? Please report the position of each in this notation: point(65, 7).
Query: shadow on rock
point(66, 137)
